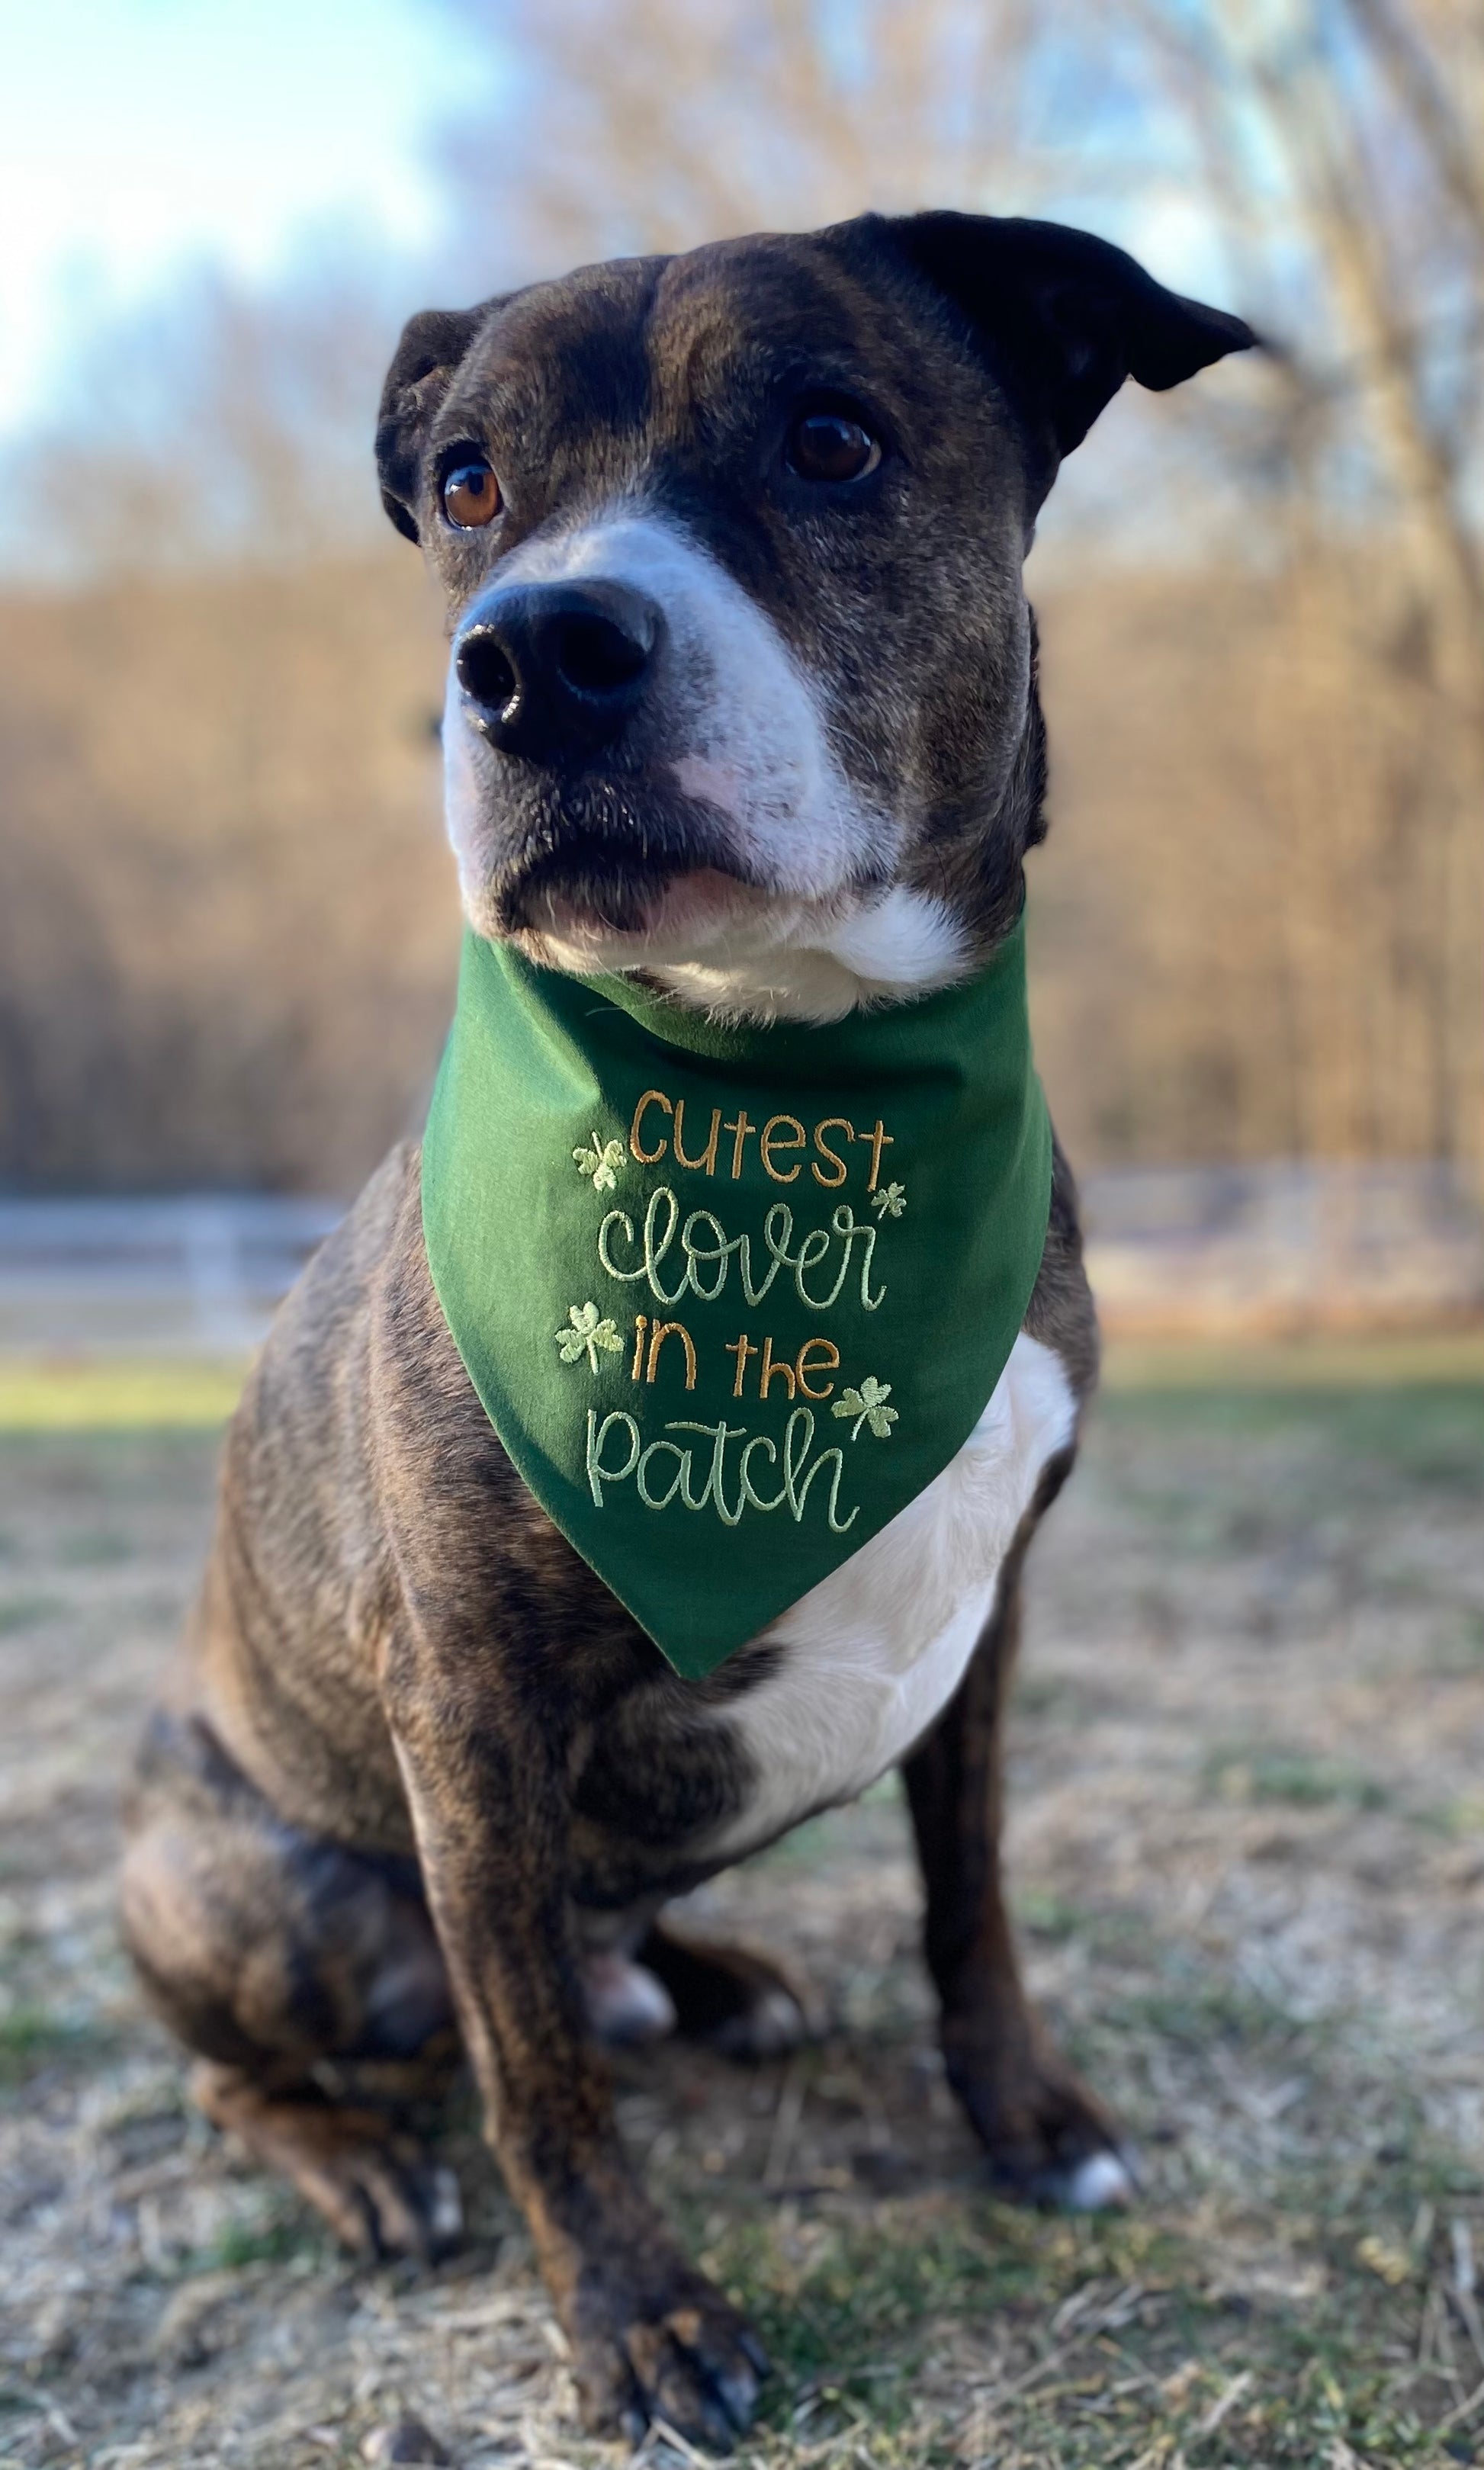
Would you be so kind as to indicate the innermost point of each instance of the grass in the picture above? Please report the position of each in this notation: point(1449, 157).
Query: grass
point(1252, 1656)
point(1292, 1777)
point(33, 2040)
point(1362, 1361)
point(28, 1612)
point(285, 2235)
point(100, 1394)
point(1072, 2343)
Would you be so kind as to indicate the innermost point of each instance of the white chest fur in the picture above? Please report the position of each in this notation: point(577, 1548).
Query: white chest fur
point(872, 1654)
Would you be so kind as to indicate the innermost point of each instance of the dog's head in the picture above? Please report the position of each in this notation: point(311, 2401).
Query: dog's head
point(741, 690)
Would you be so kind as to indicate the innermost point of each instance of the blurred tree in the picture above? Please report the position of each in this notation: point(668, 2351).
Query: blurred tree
point(220, 423)
point(1343, 142)
point(632, 126)
point(1259, 920)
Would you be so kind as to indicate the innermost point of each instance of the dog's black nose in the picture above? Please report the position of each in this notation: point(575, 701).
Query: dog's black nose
point(556, 667)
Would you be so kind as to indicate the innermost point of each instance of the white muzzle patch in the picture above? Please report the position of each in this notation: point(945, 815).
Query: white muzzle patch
point(799, 935)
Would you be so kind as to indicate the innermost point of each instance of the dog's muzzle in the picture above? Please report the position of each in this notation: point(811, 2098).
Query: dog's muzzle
point(553, 672)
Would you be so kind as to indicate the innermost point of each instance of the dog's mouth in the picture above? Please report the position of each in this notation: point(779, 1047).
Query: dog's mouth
point(638, 865)
point(601, 865)
point(592, 897)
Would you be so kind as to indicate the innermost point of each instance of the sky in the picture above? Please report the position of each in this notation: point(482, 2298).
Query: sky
point(139, 135)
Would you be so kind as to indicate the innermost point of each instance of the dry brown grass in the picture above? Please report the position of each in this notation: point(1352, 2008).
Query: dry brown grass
point(1247, 1852)
point(228, 923)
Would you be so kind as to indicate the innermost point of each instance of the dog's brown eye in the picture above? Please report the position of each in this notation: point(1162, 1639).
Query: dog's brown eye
point(471, 497)
point(831, 445)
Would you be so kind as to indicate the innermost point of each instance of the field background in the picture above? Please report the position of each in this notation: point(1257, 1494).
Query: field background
point(228, 924)
point(1247, 1808)
point(1245, 1828)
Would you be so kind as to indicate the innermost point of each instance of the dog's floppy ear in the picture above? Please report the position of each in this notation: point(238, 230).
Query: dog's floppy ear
point(1063, 317)
point(432, 346)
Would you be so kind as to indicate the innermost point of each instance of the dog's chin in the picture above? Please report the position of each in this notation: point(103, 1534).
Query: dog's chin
point(665, 920)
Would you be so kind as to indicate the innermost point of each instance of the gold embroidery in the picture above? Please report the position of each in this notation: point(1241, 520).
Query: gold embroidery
point(830, 1123)
point(741, 1124)
point(651, 1098)
point(779, 1134)
point(707, 1156)
point(880, 1140)
point(772, 1365)
point(771, 1140)
point(827, 1353)
point(664, 1329)
point(641, 1325)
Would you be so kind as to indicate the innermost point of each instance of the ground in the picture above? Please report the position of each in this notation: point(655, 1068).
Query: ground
point(1248, 1856)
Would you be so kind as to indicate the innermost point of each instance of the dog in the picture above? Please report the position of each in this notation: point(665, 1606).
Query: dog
point(742, 706)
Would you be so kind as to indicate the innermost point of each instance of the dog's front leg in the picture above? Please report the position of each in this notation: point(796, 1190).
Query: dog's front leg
point(651, 2338)
point(1046, 2136)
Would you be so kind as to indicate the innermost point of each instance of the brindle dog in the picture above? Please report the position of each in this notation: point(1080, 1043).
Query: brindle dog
point(742, 695)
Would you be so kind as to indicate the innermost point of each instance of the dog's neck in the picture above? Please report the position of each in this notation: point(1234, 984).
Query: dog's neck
point(906, 944)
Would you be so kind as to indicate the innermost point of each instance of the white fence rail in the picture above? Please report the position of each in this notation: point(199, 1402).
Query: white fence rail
point(1285, 1245)
point(196, 1274)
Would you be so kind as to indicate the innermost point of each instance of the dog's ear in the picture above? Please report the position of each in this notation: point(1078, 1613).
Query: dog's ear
point(1062, 317)
point(432, 346)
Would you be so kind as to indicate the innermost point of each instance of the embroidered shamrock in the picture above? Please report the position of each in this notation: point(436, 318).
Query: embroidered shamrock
point(890, 1200)
point(601, 1161)
point(585, 1334)
point(868, 1405)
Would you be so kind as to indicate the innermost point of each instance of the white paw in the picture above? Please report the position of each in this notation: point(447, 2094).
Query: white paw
point(625, 2002)
point(1096, 2184)
point(445, 2210)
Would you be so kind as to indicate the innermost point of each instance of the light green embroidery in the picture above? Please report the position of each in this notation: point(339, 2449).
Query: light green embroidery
point(585, 1334)
point(868, 1405)
point(798, 1471)
point(707, 1251)
point(890, 1200)
point(602, 1162)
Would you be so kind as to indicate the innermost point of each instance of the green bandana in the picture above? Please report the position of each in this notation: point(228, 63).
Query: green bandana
point(731, 1296)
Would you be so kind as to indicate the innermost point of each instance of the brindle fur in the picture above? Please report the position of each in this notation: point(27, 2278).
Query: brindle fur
point(416, 1756)
point(416, 1739)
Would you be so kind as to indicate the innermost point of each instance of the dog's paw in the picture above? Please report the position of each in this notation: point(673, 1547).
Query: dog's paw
point(736, 1999)
point(377, 2188)
point(626, 2004)
point(1099, 2183)
point(1048, 2139)
point(412, 2205)
point(670, 2352)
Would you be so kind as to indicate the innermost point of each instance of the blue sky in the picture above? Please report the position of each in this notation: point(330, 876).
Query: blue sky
point(139, 134)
